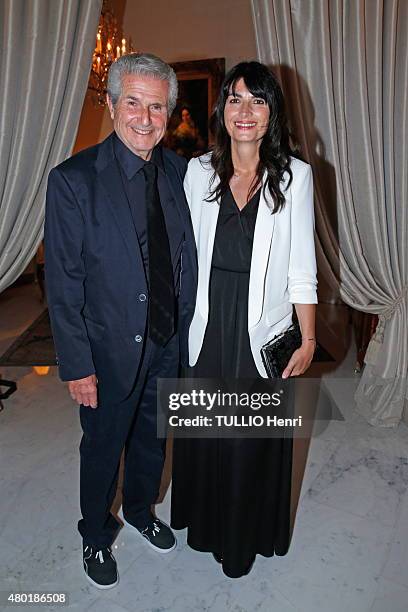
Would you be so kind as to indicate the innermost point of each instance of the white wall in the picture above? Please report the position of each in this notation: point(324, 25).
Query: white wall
point(178, 30)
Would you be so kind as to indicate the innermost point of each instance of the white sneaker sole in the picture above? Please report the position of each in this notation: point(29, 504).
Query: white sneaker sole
point(162, 551)
point(102, 587)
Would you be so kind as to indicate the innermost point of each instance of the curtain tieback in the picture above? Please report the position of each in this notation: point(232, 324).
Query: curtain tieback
point(378, 338)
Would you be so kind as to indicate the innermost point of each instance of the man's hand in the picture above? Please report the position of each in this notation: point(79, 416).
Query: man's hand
point(300, 360)
point(84, 391)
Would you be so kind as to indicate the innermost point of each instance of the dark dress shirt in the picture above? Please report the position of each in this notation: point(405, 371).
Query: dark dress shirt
point(130, 166)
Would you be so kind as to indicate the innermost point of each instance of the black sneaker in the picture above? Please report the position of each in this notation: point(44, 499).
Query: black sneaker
point(159, 536)
point(100, 567)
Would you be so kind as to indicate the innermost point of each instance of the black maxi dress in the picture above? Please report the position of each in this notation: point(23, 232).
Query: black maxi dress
point(233, 494)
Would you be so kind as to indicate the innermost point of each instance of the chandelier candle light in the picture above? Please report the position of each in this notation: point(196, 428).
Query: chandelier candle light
point(110, 44)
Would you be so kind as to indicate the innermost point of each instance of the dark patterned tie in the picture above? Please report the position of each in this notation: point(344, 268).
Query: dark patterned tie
point(161, 282)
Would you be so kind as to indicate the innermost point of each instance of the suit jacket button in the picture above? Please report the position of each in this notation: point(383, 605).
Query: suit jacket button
point(138, 338)
point(142, 297)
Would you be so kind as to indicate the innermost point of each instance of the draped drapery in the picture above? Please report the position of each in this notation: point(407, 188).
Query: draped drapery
point(46, 50)
point(344, 70)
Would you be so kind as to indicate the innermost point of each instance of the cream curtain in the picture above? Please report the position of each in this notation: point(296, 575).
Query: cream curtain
point(344, 69)
point(46, 48)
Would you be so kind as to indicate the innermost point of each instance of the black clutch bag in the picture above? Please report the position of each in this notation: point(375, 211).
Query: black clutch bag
point(277, 352)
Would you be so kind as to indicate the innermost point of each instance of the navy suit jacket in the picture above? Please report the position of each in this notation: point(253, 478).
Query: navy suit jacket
point(95, 277)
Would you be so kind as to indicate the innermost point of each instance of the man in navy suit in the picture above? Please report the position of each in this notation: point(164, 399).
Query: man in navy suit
point(121, 280)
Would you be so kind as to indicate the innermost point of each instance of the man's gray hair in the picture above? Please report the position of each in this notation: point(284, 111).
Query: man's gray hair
point(144, 64)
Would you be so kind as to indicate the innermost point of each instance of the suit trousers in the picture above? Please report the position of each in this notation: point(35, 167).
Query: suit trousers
point(130, 425)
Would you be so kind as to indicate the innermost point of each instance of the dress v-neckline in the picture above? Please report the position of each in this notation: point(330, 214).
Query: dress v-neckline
point(240, 210)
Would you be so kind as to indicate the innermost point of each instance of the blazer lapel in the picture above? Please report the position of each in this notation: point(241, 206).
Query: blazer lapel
point(175, 184)
point(176, 187)
point(109, 176)
point(264, 227)
point(205, 240)
point(263, 235)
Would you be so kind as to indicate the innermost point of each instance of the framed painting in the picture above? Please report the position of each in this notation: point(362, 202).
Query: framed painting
point(199, 85)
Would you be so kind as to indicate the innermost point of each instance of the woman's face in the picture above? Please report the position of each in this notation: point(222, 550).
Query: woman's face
point(246, 117)
point(185, 115)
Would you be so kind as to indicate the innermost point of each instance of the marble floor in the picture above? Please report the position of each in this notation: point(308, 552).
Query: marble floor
point(350, 543)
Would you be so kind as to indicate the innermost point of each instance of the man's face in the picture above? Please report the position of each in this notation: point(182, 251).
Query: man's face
point(140, 115)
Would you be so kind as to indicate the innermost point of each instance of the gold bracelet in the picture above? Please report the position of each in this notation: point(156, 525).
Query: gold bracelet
point(306, 339)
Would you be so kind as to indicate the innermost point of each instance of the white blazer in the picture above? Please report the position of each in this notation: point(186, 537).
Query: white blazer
point(283, 265)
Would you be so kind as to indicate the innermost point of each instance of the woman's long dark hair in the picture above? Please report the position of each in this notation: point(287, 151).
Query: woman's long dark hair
point(275, 148)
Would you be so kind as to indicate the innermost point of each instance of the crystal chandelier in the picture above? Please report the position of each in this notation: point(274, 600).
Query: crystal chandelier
point(110, 44)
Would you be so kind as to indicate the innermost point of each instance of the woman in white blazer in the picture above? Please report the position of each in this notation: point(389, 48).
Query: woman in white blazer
point(251, 206)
